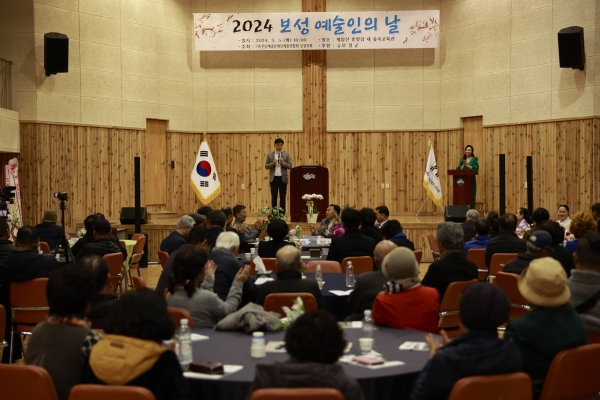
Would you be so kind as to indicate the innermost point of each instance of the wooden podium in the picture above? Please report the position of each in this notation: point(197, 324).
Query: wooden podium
point(308, 180)
point(462, 186)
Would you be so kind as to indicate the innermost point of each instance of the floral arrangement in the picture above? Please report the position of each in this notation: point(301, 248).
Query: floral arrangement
point(310, 204)
point(291, 315)
point(297, 231)
point(271, 213)
point(81, 233)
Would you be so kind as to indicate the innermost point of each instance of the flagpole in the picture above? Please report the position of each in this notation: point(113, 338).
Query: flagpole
point(427, 198)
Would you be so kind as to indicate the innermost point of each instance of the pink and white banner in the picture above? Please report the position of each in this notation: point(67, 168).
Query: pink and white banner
point(12, 179)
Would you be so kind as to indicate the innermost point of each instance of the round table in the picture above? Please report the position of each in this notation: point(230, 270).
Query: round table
point(233, 348)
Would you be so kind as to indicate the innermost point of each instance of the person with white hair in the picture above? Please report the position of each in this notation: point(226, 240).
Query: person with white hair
point(468, 226)
point(224, 255)
point(179, 236)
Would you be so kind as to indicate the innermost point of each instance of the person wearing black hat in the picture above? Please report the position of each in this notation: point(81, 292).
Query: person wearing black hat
point(539, 244)
point(478, 351)
point(102, 244)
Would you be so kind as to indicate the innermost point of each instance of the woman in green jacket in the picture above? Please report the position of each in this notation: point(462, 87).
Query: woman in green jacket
point(469, 161)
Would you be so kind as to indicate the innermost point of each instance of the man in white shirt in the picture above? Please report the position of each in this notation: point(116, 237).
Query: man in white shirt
point(382, 214)
point(278, 162)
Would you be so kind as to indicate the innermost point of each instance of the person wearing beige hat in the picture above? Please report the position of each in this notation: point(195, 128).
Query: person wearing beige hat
point(404, 303)
point(49, 231)
point(551, 326)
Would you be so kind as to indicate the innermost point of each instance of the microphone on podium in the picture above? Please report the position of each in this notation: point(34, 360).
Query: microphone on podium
point(310, 160)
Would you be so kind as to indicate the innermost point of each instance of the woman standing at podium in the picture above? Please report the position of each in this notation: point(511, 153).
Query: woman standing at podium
point(469, 161)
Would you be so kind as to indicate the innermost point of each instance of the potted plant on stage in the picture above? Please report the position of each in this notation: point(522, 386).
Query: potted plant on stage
point(271, 213)
point(312, 213)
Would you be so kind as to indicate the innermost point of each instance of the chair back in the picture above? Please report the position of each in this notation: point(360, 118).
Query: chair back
point(102, 392)
point(138, 282)
point(138, 250)
point(433, 247)
point(328, 267)
point(450, 307)
point(136, 236)
point(163, 257)
point(297, 394)
point(29, 303)
point(593, 337)
point(123, 244)
point(360, 264)
point(477, 257)
point(44, 248)
point(177, 314)
point(497, 260)
point(26, 382)
point(270, 265)
point(114, 231)
point(515, 386)
point(275, 301)
point(115, 270)
point(2, 326)
point(573, 374)
point(509, 285)
point(418, 255)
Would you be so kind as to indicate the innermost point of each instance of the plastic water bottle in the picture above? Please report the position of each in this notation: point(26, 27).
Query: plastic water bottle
point(184, 339)
point(367, 325)
point(318, 273)
point(349, 275)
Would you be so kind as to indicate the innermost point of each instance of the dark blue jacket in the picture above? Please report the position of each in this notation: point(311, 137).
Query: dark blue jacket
point(470, 354)
point(172, 242)
point(50, 233)
point(401, 240)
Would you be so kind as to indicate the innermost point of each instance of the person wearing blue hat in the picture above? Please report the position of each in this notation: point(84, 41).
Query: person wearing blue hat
point(539, 244)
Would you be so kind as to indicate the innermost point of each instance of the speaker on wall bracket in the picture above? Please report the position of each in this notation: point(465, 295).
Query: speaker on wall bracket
point(56, 53)
point(571, 49)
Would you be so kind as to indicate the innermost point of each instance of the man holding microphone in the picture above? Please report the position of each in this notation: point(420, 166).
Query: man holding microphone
point(278, 162)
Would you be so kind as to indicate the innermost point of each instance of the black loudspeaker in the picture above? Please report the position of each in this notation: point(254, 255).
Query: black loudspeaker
point(456, 213)
point(571, 51)
point(502, 173)
point(128, 215)
point(530, 184)
point(56, 53)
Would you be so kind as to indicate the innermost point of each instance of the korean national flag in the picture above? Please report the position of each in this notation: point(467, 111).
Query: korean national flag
point(205, 180)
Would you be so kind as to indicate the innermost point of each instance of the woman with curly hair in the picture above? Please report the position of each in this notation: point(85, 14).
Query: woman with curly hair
point(581, 223)
point(314, 342)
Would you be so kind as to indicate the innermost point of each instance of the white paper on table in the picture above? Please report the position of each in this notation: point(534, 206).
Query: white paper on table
point(259, 265)
point(275, 347)
point(305, 257)
point(341, 292)
point(353, 324)
point(196, 337)
point(386, 364)
point(416, 346)
point(229, 369)
point(262, 280)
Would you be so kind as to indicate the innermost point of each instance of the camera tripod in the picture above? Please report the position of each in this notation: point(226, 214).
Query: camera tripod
point(63, 242)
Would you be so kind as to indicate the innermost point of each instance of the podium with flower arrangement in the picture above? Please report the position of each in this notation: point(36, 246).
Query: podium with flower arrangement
point(308, 179)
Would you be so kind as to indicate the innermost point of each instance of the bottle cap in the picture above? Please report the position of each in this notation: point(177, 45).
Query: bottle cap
point(368, 313)
point(184, 321)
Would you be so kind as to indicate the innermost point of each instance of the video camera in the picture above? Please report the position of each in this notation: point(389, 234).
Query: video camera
point(62, 196)
point(8, 194)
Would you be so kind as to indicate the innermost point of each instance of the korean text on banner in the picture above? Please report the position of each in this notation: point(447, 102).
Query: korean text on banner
point(431, 180)
point(204, 177)
point(317, 30)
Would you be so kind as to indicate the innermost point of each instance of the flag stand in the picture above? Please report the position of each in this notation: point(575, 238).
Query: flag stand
point(427, 198)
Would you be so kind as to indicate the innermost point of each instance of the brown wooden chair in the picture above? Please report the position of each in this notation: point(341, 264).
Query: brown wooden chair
point(163, 257)
point(2, 327)
point(270, 265)
point(360, 264)
point(515, 386)
point(450, 307)
point(593, 337)
point(477, 257)
point(328, 267)
point(102, 392)
point(509, 285)
point(138, 282)
point(29, 307)
point(114, 232)
point(123, 244)
point(573, 374)
point(275, 301)
point(433, 247)
point(297, 394)
point(136, 257)
point(44, 248)
point(177, 314)
point(418, 255)
point(498, 261)
point(136, 236)
point(116, 272)
point(26, 382)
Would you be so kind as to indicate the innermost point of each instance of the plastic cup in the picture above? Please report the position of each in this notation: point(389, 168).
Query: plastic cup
point(248, 255)
point(366, 345)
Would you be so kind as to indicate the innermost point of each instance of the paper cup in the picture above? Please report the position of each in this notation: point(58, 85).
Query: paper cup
point(366, 345)
point(248, 255)
point(258, 351)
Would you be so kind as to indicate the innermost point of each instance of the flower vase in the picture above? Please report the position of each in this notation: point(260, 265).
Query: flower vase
point(312, 219)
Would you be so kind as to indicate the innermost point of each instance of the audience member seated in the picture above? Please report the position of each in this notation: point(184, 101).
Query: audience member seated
point(6, 246)
point(289, 278)
point(49, 231)
point(584, 282)
point(277, 229)
point(314, 343)
point(468, 226)
point(199, 238)
point(62, 343)
point(404, 303)
point(477, 351)
point(179, 236)
point(493, 217)
point(224, 254)
point(102, 244)
point(564, 217)
point(540, 215)
point(551, 326)
point(137, 327)
point(524, 221)
point(596, 214)
point(190, 269)
point(216, 225)
point(367, 285)
point(382, 213)
point(228, 219)
point(507, 241)
point(367, 225)
point(539, 244)
point(452, 266)
point(332, 214)
point(582, 223)
point(240, 214)
point(102, 301)
point(88, 224)
point(352, 243)
point(393, 231)
point(482, 236)
point(204, 210)
point(199, 219)
point(559, 253)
